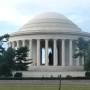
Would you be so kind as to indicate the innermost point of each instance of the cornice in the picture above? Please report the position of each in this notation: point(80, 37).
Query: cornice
point(21, 33)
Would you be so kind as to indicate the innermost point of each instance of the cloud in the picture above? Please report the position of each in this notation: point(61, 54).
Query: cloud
point(9, 12)
point(14, 10)
point(18, 12)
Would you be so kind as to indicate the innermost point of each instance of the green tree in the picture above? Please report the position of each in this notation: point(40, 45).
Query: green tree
point(87, 64)
point(3, 39)
point(5, 70)
point(12, 59)
point(7, 64)
point(21, 59)
point(82, 50)
point(9, 57)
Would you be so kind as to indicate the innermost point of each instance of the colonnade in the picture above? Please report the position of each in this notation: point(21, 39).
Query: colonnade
point(55, 55)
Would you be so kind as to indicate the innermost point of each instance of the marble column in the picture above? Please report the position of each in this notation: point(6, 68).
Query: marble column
point(18, 44)
point(9, 44)
point(13, 44)
point(38, 52)
point(82, 60)
point(46, 52)
point(77, 59)
point(70, 53)
point(55, 52)
point(63, 52)
point(30, 49)
point(23, 43)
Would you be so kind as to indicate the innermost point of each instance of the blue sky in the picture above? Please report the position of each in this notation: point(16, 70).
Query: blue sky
point(15, 13)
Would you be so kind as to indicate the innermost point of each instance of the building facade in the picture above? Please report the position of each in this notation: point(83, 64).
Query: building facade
point(50, 38)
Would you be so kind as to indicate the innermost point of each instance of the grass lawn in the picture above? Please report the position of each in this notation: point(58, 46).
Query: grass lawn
point(44, 87)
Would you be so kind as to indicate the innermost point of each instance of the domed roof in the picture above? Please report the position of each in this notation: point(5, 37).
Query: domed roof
point(50, 22)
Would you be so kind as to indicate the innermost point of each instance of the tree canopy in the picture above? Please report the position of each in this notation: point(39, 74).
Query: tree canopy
point(3, 38)
point(83, 51)
point(12, 59)
point(5, 69)
point(21, 60)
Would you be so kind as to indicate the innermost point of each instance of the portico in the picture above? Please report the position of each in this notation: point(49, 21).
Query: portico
point(58, 49)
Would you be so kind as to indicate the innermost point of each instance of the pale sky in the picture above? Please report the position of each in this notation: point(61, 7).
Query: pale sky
point(15, 13)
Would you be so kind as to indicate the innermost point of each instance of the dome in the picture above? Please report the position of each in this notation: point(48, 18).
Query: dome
point(50, 22)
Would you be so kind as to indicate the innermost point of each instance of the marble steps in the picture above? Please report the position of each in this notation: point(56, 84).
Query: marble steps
point(55, 68)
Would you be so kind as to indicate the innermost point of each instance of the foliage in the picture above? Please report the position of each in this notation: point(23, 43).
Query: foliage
point(12, 59)
point(68, 76)
point(3, 39)
point(87, 62)
point(20, 61)
point(9, 57)
point(18, 75)
point(5, 69)
point(87, 74)
point(83, 52)
point(82, 45)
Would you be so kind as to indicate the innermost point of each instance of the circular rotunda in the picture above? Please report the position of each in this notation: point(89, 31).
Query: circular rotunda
point(50, 38)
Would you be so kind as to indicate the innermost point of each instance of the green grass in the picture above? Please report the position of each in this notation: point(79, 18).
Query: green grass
point(44, 87)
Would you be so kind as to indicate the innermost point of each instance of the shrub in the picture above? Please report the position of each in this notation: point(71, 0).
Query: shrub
point(87, 74)
point(5, 70)
point(51, 77)
point(18, 75)
point(68, 76)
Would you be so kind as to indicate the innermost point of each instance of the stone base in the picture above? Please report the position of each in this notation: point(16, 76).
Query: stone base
point(54, 71)
point(53, 74)
point(55, 68)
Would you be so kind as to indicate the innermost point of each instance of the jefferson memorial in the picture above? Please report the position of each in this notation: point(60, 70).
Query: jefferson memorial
point(50, 38)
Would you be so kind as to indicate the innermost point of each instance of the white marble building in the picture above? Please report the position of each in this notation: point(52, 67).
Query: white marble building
point(55, 33)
